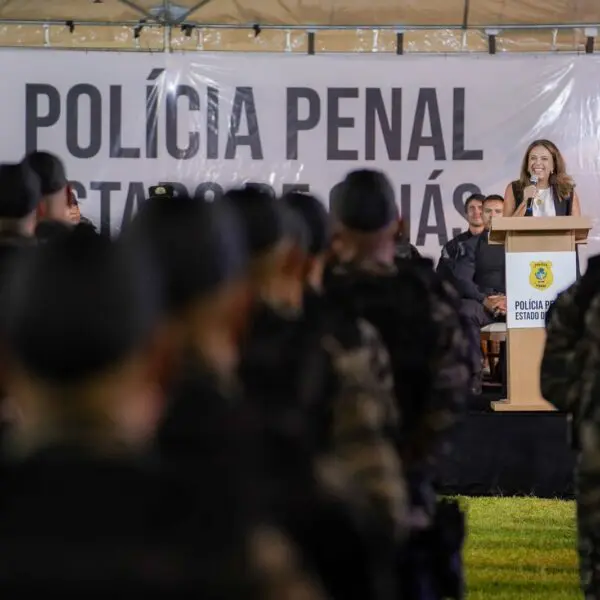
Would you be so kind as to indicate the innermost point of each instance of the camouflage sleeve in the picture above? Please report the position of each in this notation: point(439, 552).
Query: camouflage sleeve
point(451, 372)
point(365, 420)
point(588, 468)
point(583, 372)
point(559, 381)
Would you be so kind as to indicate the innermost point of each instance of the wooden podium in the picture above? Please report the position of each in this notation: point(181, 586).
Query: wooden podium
point(536, 238)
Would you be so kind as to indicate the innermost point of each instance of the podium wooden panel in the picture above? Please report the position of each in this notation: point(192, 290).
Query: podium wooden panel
point(525, 346)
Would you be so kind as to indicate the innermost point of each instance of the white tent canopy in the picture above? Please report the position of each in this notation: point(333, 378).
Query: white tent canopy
point(341, 25)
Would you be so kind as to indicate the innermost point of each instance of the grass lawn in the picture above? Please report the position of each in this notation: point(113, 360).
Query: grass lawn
point(521, 549)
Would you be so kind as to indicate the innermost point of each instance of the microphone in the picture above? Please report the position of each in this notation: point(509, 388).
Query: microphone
point(534, 181)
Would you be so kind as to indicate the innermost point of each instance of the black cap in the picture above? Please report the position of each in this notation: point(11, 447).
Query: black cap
point(312, 211)
point(50, 169)
point(78, 305)
point(263, 217)
point(197, 246)
point(365, 201)
point(20, 191)
point(161, 191)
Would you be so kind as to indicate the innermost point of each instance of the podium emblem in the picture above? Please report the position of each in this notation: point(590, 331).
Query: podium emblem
point(540, 275)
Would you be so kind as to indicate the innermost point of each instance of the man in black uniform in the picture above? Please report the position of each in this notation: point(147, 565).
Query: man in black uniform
point(451, 250)
point(479, 275)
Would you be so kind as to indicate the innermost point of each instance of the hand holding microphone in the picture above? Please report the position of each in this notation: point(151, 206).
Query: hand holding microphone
point(531, 191)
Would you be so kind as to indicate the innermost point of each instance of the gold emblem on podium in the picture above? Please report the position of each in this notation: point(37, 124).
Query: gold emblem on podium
point(540, 275)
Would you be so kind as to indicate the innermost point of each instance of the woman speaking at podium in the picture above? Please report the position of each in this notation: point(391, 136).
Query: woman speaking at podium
point(544, 189)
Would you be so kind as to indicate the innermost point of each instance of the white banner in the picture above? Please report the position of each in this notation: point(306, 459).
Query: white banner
point(441, 127)
point(533, 280)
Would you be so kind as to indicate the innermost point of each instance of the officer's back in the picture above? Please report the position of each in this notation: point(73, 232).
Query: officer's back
point(287, 376)
point(417, 316)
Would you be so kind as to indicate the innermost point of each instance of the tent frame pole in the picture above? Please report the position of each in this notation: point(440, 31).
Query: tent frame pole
point(152, 22)
point(395, 27)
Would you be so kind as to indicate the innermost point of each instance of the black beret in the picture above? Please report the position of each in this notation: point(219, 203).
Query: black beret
point(365, 201)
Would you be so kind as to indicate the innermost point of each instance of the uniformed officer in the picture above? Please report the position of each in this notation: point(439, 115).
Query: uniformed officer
point(416, 314)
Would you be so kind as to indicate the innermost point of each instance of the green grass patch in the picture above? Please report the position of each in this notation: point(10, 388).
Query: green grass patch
point(521, 549)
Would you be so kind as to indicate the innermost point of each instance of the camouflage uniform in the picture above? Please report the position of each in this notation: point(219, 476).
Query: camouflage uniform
point(336, 371)
point(417, 315)
point(588, 467)
point(570, 380)
point(450, 365)
point(561, 362)
point(364, 417)
point(451, 368)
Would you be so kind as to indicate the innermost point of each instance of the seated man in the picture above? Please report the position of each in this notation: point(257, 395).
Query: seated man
point(450, 250)
point(478, 273)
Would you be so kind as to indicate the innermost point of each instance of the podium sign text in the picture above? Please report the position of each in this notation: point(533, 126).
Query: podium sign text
point(533, 281)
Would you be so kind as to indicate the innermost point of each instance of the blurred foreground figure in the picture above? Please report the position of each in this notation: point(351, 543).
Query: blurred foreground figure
point(20, 195)
point(207, 435)
point(570, 380)
point(335, 477)
point(79, 507)
point(417, 316)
